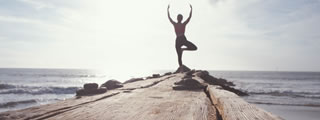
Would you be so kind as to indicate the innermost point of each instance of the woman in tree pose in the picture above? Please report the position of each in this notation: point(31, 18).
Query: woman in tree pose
point(181, 39)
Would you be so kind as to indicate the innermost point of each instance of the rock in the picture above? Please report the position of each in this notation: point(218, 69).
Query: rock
point(188, 84)
point(149, 77)
point(133, 80)
point(90, 89)
point(182, 69)
point(187, 76)
point(181, 87)
point(155, 75)
point(190, 72)
point(168, 73)
point(84, 92)
point(112, 84)
point(202, 73)
point(90, 86)
point(221, 82)
point(212, 80)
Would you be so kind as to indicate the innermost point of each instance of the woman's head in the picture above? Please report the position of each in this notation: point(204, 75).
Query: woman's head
point(179, 18)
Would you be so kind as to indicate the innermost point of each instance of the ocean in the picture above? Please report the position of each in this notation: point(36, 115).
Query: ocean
point(22, 88)
point(276, 88)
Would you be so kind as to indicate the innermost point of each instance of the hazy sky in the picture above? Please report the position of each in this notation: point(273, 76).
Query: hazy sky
point(136, 34)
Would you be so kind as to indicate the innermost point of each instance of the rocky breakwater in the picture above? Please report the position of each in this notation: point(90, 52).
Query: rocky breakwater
point(189, 83)
point(93, 89)
point(226, 85)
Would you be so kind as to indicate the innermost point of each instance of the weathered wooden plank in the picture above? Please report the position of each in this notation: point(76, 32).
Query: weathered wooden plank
point(232, 107)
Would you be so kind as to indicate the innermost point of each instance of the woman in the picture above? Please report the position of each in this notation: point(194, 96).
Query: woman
point(181, 39)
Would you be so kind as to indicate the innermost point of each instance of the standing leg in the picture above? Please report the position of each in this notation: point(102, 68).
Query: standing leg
point(179, 52)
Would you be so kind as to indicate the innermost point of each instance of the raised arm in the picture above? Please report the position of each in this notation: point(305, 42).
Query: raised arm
point(169, 15)
point(190, 14)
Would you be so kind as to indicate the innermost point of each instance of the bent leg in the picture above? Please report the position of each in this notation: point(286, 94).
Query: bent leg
point(189, 45)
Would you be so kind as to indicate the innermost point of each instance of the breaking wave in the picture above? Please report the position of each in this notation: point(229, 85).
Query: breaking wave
point(315, 95)
point(37, 90)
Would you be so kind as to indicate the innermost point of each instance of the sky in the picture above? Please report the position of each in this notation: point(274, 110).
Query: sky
point(136, 35)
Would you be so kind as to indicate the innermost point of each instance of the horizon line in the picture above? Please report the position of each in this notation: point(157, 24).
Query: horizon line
point(257, 70)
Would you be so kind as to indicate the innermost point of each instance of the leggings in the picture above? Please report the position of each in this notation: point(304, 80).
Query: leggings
point(182, 41)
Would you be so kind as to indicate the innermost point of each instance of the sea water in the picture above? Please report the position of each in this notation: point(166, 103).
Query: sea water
point(277, 88)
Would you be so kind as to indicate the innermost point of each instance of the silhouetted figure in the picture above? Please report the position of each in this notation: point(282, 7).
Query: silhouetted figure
point(181, 39)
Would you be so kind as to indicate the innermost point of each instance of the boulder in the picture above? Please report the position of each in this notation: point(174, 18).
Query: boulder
point(90, 86)
point(221, 82)
point(149, 77)
point(155, 75)
point(182, 69)
point(167, 73)
point(133, 80)
point(188, 84)
point(84, 92)
point(90, 89)
point(212, 80)
point(112, 84)
point(202, 73)
point(189, 74)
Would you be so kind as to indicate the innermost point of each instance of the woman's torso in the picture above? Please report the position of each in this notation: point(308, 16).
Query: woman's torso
point(179, 29)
